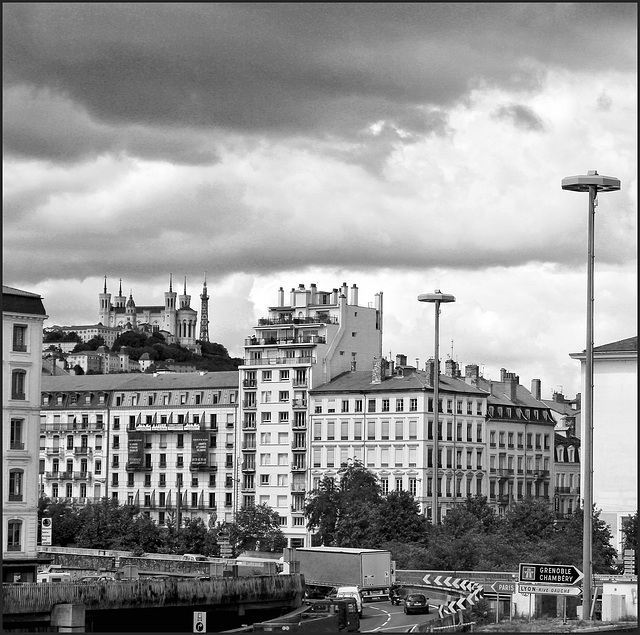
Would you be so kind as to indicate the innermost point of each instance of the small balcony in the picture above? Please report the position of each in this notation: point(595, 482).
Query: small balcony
point(14, 445)
point(298, 467)
point(82, 451)
point(136, 467)
point(59, 475)
point(298, 487)
point(502, 499)
point(248, 467)
point(202, 467)
point(298, 448)
point(297, 404)
point(504, 473)
point(249, 405)
point(249, 383)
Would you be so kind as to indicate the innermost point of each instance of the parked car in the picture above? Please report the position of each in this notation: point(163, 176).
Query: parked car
point(195, 557)
point(416, 603)
point(93, 579)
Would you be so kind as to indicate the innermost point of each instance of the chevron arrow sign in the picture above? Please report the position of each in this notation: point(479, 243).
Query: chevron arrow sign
point(427, 579)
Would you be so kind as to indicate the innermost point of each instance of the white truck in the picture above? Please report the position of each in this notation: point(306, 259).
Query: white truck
point(327, 568)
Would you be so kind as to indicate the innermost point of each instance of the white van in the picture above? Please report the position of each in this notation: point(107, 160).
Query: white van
point(350, 592)
point(54, 576)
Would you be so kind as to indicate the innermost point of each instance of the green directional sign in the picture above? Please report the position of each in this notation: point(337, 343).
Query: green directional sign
point(549, 573)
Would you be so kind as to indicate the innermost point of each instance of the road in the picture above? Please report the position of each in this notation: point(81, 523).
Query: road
point(383, 616)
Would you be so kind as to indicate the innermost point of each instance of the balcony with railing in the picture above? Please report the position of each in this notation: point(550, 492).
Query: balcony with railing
point(298, 467)
point(62, 476)
point(297, 404)
point(203, 467)
point(249, 404)
point(298, 487)
point(541, 474)
point(248, 466)
point(298, 447)
point(319, 318)
point(275, 361)
point(82, 451)
point(139, 467)
point(504, 473)
point(16, 445)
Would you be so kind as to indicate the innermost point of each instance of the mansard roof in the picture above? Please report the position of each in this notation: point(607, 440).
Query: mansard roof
point(141, 381)
point(361, 381)
point(19, 301)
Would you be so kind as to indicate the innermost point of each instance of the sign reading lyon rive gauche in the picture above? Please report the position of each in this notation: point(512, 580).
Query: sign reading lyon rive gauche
point(550, 573)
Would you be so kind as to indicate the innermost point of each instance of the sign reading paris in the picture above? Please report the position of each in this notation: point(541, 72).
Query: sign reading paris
point(550, 573)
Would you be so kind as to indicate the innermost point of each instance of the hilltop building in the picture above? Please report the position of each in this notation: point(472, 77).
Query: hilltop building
point(23, 315)
point(175, 318)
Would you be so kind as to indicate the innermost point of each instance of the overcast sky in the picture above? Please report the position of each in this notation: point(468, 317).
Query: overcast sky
point(398, 147)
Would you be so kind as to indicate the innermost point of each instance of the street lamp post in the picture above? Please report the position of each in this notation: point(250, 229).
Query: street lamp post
point(437, 297)
point(592, 183)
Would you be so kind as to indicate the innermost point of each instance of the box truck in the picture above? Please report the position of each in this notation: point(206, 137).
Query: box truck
point(328, 568)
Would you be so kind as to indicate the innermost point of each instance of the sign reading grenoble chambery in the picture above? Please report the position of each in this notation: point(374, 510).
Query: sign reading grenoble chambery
point(550, 573)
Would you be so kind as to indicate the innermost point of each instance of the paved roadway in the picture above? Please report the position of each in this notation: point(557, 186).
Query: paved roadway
point(383, 616)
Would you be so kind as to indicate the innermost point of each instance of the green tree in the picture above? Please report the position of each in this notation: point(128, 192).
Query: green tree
point(64, 521)
point(630, 532)
point(321, 511)
point(257, 527)
point(192, 536)
point(344, 510)
point(531, 518)
point(480, 508)
point(106, 525)
point(397, 518)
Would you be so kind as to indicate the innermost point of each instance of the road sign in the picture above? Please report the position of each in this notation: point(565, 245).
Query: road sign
point(550, 589)
point(199, 622)
point(46, 528)
point(503, 587)
point(550, 573)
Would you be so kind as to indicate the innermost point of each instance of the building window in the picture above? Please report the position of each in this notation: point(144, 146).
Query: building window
point(14, 535)
point(98, 467)
point(384, 486)
point(18, 381)
point(345, 405)
point(16, 479)
point(16, 442)
point(371, 405)
point(20, 338)
point(399, 405)
point(130, 478)
point(413, 404)
point(358, 405)
point(385, 405)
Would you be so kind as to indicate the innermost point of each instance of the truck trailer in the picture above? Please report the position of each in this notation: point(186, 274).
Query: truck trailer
point(326, 568)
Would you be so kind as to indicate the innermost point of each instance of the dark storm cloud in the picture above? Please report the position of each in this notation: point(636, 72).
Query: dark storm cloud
point(319, 70)
point(522, 116)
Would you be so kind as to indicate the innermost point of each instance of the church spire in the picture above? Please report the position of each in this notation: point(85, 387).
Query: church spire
point(120, 292)
point(185, 285)
point(105, 284)
point(170, 283)
point(204, 312)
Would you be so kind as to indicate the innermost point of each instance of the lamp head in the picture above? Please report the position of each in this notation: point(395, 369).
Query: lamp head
point(436, 296)
point(583, 182)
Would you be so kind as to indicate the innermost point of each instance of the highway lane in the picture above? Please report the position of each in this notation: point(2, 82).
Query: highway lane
point(383, 616)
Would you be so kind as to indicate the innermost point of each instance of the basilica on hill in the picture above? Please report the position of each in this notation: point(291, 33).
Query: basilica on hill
point(175, 319)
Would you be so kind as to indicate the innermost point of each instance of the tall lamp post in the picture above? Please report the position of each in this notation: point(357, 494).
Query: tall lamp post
point(437, 297)
point(592, 183)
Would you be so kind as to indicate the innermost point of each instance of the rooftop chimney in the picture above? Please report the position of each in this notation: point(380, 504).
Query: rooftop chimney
point(536, 388)
point(471, 373)
point(401, 360)
point(354, 295)
point(429, 370)
point(377, 371)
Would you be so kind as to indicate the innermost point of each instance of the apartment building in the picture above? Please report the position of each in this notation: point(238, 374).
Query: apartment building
point(615, 431)
point(520, 431)
point(165, 442)
point(23, 315)
point(385, 419)
point(302, 342)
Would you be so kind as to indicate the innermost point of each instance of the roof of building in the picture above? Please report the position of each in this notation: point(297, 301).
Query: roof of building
point(501, 394)
point(628, 344)
point(142, 381)
point(361, 381)
point(19, 301)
